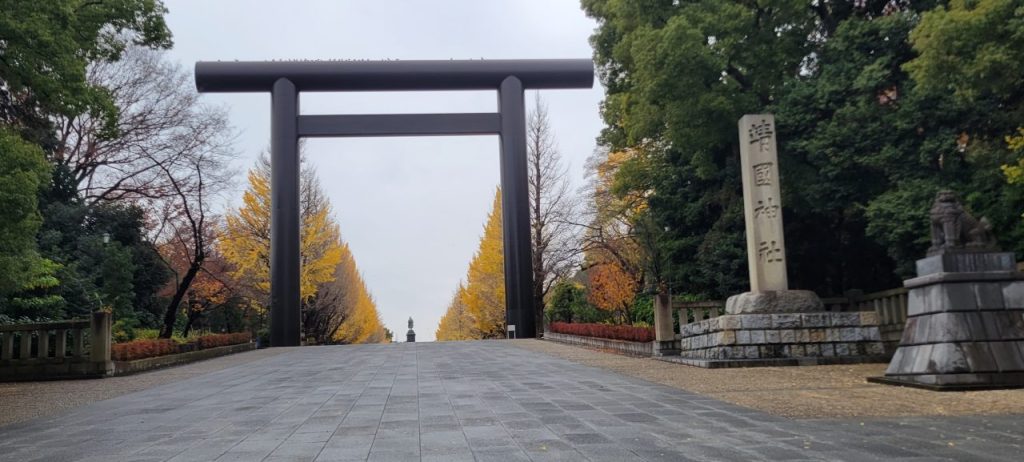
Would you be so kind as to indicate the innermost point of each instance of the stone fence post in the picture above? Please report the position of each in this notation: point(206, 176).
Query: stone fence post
point(664, 331)
point(99, 330)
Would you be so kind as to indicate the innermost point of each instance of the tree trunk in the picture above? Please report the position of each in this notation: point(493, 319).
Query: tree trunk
point(538, 299)
point(171, 315)
point(189, 320)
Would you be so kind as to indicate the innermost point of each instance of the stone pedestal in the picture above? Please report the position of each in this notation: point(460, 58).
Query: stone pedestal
point(774, 301)
point(781, 339)
point(965, 324)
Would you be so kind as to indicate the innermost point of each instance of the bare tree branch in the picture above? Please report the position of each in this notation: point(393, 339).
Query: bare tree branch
point(552, 208)
point(162, 125)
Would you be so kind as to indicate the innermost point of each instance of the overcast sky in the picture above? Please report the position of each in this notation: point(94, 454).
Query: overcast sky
point(411, 209)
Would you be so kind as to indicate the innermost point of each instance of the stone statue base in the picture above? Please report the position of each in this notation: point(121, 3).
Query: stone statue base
point(774, 301)
point(779, 328)
point(965, 324)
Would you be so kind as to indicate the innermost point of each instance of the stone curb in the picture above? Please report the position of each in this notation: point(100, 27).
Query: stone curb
point(147, 364)
point(773, 362)
point(621, 346)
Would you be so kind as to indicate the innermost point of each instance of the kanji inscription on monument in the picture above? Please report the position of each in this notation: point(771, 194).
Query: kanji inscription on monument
point(762, 203)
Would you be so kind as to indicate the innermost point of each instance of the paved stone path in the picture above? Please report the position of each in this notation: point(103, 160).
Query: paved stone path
point(468, 401)
point(28, 400)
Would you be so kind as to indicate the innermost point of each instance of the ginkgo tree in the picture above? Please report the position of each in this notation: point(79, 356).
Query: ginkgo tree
point(323, 255)
point(246, 241)
point(485, 281)
point(479, 308)
point(347, 312)
point(456, 324)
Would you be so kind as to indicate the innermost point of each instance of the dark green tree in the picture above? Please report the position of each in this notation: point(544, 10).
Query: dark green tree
point(46, 46)
point(567, 302)
point(867, 154)
point(863, 147)
point(972, 48)
point(105, 257)
point(973, 52)
point(678, 76)
point(23, 172)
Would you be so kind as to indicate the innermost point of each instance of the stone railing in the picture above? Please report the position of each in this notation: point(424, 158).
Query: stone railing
point(56, 350)
point(890, 305)
point(690, 311)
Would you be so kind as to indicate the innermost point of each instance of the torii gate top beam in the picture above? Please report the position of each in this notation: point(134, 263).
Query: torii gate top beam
point(415, 75)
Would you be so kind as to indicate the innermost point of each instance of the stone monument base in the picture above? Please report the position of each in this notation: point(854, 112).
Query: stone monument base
point(957, 382)
point(774, 301)
point(745, 337)
point(965, 325)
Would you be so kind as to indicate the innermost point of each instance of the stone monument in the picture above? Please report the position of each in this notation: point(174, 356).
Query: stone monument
point(965, 309)
point(410, 336)
point(762, 213)
point(771, 325)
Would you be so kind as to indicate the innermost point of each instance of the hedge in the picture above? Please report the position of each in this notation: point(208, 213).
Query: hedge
point(219, 340)
point(609, 331)
point(149, 348)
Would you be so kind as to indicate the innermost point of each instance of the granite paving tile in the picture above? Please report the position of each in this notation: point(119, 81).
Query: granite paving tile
point(468, 401)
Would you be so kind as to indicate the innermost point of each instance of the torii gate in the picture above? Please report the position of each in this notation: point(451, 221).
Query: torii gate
point(285, 79)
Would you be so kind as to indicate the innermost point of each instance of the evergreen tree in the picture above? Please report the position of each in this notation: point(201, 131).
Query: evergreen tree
point(23, 172)
point(46, 47)
point(678, 76)
point(863, 146)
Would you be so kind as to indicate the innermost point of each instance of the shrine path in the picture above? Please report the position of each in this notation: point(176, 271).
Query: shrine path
point(485, 400)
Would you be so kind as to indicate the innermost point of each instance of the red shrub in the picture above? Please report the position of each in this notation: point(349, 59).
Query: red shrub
point(609, 331)
point(149, 348)
point(139, 349)
point(219, 340)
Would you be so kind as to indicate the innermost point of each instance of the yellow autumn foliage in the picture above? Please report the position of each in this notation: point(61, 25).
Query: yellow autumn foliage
point(246, 240)
point(1015, 172)
point(245, 243)
point(329, 280)
point(479, 308)
point(612, 239)
point(362, 322)
point(456, 324)
point(320, 249)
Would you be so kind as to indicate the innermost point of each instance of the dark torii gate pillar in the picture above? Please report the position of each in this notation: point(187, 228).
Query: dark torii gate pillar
point(285, 79)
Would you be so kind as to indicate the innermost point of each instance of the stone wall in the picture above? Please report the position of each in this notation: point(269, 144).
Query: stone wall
point(889, 305)
point(628, 348)
point(781, 339)
point(146, 364)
